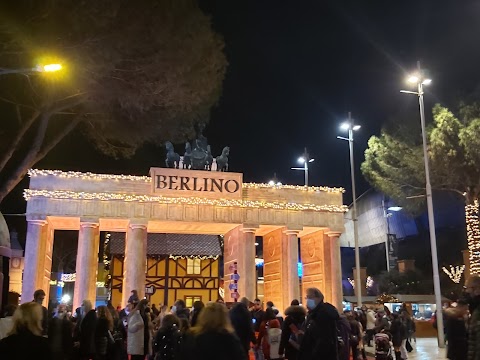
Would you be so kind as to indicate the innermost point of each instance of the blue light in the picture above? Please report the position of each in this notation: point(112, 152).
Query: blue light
point(300, 269)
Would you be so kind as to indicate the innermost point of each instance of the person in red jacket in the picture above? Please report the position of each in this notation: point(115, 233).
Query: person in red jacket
point(269, 322)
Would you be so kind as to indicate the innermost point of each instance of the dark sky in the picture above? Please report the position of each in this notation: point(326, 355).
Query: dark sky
point(297, 68)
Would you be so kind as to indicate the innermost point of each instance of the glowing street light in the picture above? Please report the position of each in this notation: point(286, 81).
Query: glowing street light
point(351, 127)
point(66, 299)
point(305, 160)
point(39, 68)
point(51, 67)
point(421, 79)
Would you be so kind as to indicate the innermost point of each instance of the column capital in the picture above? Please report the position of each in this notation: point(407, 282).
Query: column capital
point(38, 222)
point(333, 234)
point(291, 232)
point(137, 224)
point(249, 229)
point(89, 224)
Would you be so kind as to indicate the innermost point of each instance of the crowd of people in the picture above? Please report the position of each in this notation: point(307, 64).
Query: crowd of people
point(312, 331)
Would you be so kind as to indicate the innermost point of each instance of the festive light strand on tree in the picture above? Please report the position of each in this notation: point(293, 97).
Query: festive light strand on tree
point(73, 195)
point(148, 179)
point(107, 261)
point(473, 236)
point(455, 273)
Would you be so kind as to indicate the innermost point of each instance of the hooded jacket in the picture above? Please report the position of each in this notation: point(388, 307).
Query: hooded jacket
point(320, 341)
point(294, 317)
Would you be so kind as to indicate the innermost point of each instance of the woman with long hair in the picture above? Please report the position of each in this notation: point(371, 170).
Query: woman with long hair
point(103, 333)
point(138, 332)
point(197, 307)
point(213, 338)
point(25, 340)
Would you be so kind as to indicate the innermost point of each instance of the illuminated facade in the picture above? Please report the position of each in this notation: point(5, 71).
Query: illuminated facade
point(185, 202)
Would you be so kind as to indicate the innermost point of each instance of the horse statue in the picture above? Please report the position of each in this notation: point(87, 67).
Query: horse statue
point(209, 159)
point(187, 157)
point(222, 160)
point(173, 159)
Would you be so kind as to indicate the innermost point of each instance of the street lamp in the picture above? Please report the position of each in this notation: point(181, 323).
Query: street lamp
point(419, 78)
point(351, 127)
point(305, 160)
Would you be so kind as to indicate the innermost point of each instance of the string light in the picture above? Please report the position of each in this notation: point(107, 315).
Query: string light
point(192, 257)
point(455, 273)
point(73, 195)
point(107, 260)
point(473, 236)
point(148, 179)
point(69, 277)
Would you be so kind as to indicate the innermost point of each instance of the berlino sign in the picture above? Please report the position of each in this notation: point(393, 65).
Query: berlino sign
point(208, 184)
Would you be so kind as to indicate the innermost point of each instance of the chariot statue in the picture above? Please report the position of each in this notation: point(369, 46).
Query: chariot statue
point(173, 159)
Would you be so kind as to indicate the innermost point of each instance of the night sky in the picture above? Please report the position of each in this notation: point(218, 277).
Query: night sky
point(297, 68)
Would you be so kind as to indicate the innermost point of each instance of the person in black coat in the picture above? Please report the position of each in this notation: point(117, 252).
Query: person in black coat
point(213, 338)
point(26, 341)
point(60, 335)
point(291, 335)
point(197, 307)
point(39, 297)
point(457, 331)
point(181, 309)
point(257, 314)
point(86, 331)
point(168, 340)
point(399, 333)
point(320, 340)
point(242, 324)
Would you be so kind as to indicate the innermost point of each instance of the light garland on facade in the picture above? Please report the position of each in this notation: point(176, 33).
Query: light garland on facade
point(73, 195)
point(69, 277)
point(196, 257)
point(473, 236)
point(148, 179)
point(455, 273)
point(368, 283)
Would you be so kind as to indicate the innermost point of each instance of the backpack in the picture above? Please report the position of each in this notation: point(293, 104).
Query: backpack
point(296, 336)
point(274, 335)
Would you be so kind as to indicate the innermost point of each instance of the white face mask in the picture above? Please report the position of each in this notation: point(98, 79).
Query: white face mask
point(311, 304)
point(174, 309)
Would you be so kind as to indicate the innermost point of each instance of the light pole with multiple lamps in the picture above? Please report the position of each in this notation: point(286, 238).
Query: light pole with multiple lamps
point(420, 80)
point(351, 127)
point(305, 160)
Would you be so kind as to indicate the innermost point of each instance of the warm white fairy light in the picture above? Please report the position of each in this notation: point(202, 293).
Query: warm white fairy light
point(148, 179)
point(74, 195)
point(196, 257)
point(473, 236)
point(69, 277)
point(455, 273)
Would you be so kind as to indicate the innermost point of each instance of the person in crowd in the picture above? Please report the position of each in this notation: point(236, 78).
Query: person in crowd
point(6, 323)
point(355, 334)
point(213, 337)
point(138, 332)
point(60, 334)
point(181, 309)
point(382, 322)
point(257, 314)
point(184, 326)
point(456, 326)
point(25, 340)
point(473, 298)
point(158, 320)
point(399, 334)
point(292, 330)
point(220, 301)
point(117, 349)
point(168, 339)
point(103, 333)
point(344, 330)
point(86, 330)
point(155, 311)
point(39, 297)
point(124, 314)
point(320, 338)
point(197, 307)
point(134, 299)
point(370, 328)
point(242, 324)
point(264, 340)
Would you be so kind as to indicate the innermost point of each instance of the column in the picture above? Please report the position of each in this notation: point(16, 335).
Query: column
point(290, 256)
point(231, 253)
point(247, 285)
point(360, 284)
point(87, 263)
point(466, 261)
point(134, 263)
point(336, 270)
point(35, 255)
point(316, 266)
point(274, 271)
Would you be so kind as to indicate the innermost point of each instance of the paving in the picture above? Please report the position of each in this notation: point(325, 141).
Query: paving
point(423, 349)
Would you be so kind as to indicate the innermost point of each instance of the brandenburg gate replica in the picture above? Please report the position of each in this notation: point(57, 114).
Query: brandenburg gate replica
point(186, 201)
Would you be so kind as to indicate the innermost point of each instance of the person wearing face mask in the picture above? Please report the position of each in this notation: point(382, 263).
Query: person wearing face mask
point(473, 298)
point(320, 339)
point(60, 334)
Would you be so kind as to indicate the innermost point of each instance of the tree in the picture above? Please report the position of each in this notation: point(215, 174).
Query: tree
point(394, 164)
point(133, 72)
point(410, 282)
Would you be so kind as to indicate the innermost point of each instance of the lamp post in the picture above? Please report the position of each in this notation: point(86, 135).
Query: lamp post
point(305, 160)
point(38, 68)
point(420, 79)
point(351, 127)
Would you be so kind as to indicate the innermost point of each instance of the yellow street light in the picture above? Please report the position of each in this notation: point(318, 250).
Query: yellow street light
point(51, 67)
